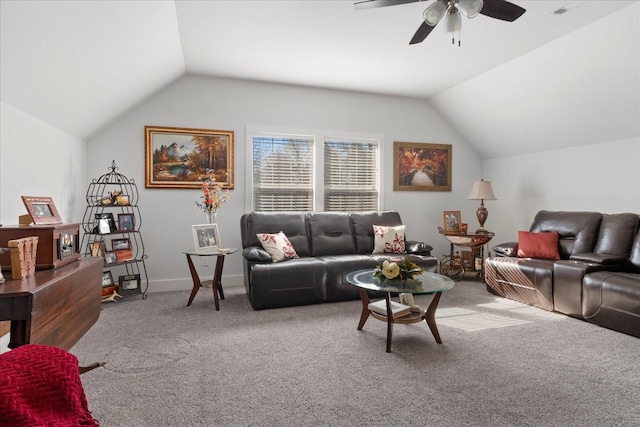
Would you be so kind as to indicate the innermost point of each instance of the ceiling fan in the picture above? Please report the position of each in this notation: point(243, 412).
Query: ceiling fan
point(450, 10)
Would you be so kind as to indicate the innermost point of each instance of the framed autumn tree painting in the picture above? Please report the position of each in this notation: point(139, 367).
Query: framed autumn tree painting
point(184, 157)
point(421, 167)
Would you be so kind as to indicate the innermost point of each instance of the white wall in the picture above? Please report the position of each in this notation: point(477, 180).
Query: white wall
point(601, 177)
point(37, 159)
point(211, 103)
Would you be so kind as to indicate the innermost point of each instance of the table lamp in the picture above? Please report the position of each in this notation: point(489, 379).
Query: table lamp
point(482, 191)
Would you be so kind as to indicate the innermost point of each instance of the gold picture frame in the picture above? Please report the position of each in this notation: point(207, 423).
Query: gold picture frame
point(452, 221)
point(421, 167)
point(185, 157)
point(42, 210)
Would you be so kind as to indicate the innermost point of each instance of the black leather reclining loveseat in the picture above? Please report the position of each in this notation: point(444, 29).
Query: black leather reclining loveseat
point(597, 277)
point(329, 246)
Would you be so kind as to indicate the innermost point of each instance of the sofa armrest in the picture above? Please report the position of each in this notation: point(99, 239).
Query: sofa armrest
point(506, 249)
point(602, 259)
point(256, 254)
point(417, 248)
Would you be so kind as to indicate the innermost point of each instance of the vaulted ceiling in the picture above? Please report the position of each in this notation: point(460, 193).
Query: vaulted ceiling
point(79, 64)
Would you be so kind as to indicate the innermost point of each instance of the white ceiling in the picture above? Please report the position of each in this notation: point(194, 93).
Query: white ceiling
point(79, 64)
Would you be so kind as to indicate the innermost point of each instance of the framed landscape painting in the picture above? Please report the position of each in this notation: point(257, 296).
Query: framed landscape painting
point(184, 158)
point(421, 167)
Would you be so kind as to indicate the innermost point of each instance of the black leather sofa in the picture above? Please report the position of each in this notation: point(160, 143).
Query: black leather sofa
point(597, 277)
point(329, 246)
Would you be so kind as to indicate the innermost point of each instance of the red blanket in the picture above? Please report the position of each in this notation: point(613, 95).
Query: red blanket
point(40, 386)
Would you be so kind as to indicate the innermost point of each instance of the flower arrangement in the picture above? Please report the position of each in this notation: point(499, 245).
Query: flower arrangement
point(397, 269)
point(213, 196)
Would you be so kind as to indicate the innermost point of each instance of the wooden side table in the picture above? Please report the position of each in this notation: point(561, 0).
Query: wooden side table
point(477, 240)
point(216, 283)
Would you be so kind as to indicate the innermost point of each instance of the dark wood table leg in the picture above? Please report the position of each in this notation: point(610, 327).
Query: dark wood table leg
point(364, 298)
point(389, 322)
point(430, 316)
point(217, 282)
point(196, 280)
point(218, 275)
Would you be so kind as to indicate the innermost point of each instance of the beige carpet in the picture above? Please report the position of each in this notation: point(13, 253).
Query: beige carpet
point(501, 364)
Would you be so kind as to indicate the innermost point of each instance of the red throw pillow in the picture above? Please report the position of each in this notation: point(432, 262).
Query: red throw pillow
point(538, 245)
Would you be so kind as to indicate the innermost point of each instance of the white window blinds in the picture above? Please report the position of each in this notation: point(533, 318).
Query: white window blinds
point(350, 176)
point(282, 174)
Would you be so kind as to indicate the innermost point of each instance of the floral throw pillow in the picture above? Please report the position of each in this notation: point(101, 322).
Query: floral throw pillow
point(389, 240)
point(278, 246)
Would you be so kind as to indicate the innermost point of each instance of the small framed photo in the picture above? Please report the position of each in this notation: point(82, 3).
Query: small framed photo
point(126, 222)
point(42, 210)
point(107, 279)
point(110, 258)
point(106, 223)
point(66, 246)
point(97, 248)
point(129, 284)
point(119, 244)
point(451, 221)
point(206, 237)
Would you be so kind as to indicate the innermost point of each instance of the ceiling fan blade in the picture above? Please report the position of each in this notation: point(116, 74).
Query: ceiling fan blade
point(502, 9)
point(423, 31)
point(369, 4)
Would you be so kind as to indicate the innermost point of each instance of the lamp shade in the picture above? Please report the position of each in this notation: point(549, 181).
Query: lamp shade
point(471, 8)
point(434, 13)
point(482, 190)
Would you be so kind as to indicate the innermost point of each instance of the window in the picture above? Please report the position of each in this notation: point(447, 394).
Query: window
point(282, 174)
point(294, 173)
point(350, 176)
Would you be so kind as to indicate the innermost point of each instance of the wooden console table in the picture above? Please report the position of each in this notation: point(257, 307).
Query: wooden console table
point(53, 307)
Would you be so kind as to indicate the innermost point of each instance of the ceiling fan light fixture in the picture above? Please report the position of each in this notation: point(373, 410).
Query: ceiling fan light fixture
point(453, 22)
point(471, 8)
point(434, 13)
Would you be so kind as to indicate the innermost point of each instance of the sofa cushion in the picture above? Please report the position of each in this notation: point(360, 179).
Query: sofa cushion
point(330, 233)
point(616, 234)
point(388, 239)
point(278, 246)
point(363, 227)
point(538, 245)
point(292, 224)
point(577, 231)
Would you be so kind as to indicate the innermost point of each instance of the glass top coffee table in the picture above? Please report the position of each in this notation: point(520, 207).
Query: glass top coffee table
point(425, 283)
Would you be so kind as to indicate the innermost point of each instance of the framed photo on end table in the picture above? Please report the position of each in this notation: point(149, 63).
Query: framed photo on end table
point(451, 221)
point(206, 237)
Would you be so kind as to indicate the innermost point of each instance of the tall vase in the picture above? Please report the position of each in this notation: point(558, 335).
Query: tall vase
point(211, 216)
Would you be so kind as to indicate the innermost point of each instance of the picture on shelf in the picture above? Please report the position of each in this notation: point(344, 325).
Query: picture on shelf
point(118, 244)
point(126, 222)
point(97, 248)
point(110, 258)
point(106, 223)
point(66, 245)
point(129, 284)
point(107, 279)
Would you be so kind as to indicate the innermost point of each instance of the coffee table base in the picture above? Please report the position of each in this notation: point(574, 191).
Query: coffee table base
point(429, 316)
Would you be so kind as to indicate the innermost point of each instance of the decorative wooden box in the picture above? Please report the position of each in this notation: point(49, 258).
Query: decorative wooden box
point(58, 244)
